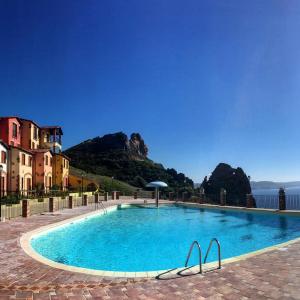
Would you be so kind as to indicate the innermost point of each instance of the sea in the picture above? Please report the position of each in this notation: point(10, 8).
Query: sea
point(268, 198)
point(289, 191)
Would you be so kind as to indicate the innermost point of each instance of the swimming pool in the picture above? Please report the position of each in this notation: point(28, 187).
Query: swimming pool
point(135, 238)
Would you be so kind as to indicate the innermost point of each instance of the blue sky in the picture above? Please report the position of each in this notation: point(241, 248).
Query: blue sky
point(203, 81)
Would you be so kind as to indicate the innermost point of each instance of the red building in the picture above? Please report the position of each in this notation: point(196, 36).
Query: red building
point(10, 131)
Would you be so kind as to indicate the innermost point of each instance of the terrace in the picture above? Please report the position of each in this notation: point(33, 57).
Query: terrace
point(269, 275)
point(51, 138)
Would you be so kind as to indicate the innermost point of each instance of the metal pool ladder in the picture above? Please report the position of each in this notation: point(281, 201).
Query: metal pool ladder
point(102, 206)
point(219, 251)
point(190, 252)
point(206, 255)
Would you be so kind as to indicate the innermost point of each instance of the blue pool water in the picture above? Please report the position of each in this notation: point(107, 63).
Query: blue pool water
point(146, 239)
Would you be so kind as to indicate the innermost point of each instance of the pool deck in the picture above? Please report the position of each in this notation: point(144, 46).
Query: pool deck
point(270, 275)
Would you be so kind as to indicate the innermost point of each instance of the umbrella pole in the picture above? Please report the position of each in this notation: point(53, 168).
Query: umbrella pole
point(157, 196)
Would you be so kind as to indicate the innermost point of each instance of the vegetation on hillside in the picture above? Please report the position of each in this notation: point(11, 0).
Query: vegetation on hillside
point(115, 155)
point(105, 183)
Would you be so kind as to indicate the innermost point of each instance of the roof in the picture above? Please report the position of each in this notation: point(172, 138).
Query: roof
point(20, 120)
point(27, 120)
point(61, 154)
point(52, 128)
point(41, 151)
point(11, 117)
point(4, 144)
point(21, 149)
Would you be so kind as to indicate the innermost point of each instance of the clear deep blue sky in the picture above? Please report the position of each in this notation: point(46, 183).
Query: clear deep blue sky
point(202, 81)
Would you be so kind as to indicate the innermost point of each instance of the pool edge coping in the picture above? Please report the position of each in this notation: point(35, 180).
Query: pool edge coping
point(27, 248)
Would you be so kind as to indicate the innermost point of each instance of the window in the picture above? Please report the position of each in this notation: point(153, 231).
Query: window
point(28, 187)
point(15, 130)
point(2, 182)
point(35, 133)
point(30, 161)
point(46, 160)
point(64, 163)
point(51, 161)
point(23, 159)
point(3, 157)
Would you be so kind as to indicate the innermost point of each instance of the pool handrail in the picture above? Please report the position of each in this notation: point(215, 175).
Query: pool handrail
point(219, 251)
point(102, 206)
point(200, 255)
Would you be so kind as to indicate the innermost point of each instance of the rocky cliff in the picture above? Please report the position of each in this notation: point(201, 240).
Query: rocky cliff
point(134, 147)
point(124, 158)
point(137, 146)
point(234, 181)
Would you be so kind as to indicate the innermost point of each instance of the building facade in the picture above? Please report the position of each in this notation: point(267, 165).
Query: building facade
point(34, 156)
point(3, 172)
point(10, 131)
point(30, 135)
point(77, 183)
point(42, 169)
point(20, 170)
point(61, 171)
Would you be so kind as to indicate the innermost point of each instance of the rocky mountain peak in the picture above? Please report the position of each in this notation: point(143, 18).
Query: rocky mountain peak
point(233, 180)
point(134, 147)
point(124, 158)
point(137, 145)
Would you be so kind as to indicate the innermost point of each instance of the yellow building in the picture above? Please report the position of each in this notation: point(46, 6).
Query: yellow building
point(20, 170)
point(60, 165)
point(78, 183)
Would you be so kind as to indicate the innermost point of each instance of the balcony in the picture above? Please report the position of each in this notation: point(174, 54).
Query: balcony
point(51, 138)
point(53, 146)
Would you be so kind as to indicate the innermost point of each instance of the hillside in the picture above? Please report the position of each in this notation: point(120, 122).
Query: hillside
point(125, 159)
point(106, 183)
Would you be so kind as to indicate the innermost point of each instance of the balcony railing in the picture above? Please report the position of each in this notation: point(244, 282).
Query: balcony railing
point(54, 139)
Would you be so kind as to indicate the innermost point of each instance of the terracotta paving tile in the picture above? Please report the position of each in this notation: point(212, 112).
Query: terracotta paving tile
point(272, 275)
point(6, 293)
